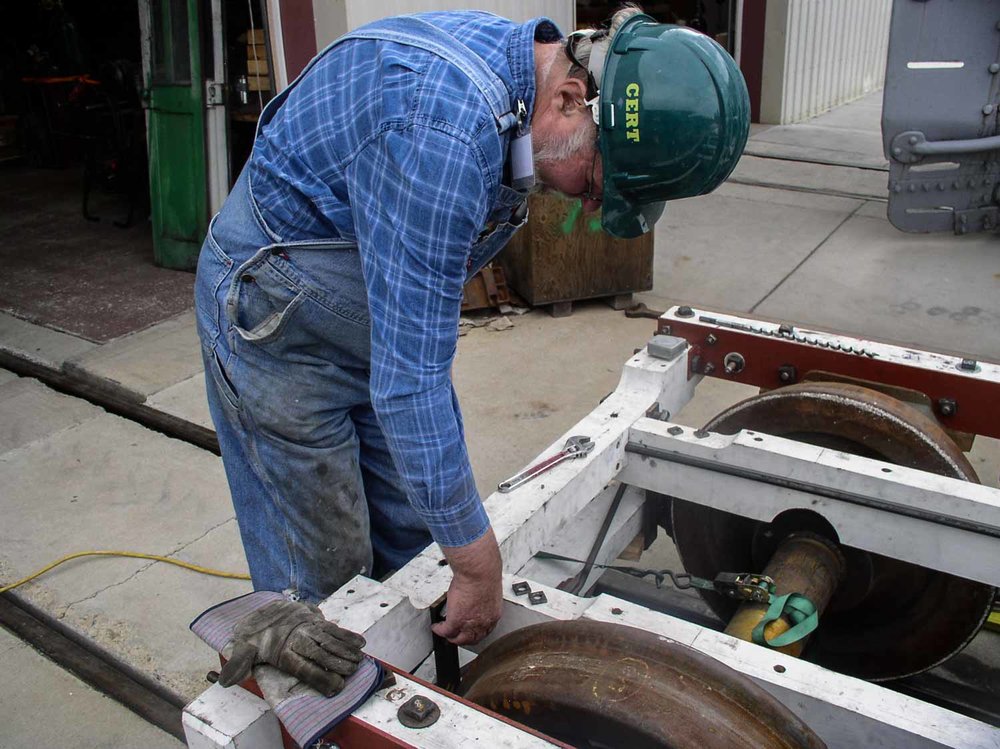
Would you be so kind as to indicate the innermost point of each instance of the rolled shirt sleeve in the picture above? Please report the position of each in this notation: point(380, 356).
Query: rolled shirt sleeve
point(419, 199)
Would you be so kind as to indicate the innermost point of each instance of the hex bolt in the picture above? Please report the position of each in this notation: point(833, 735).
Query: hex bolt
point(786, 329)
point(711, 339)
point(968, 365)
point(947, 406)
point(787, 374)
point(675, 430)
point(709, 368)
point(685, 311)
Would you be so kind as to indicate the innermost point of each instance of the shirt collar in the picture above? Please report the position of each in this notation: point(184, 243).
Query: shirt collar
point(521, 57)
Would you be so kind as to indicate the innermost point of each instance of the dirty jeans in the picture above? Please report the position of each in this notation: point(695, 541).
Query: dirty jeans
point(284, 332)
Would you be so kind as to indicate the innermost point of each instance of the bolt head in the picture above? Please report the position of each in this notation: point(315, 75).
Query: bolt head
point(994, 68)
point(968, 365)
point(711, 340)
point(988, 109)
point(947, 407)
point(787, 374)
point(685, 311)
point(418, 712)
point(897, 150)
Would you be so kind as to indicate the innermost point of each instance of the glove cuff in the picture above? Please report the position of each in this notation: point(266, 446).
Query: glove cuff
point(216, 626)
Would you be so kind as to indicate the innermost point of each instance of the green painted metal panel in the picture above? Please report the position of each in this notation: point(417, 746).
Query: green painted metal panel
point(177, 163)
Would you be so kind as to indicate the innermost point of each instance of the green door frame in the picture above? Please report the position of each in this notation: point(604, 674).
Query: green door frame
point(177, 158)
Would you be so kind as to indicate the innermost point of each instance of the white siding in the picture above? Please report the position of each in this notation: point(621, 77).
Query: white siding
point(336, 17)
point(821, 53)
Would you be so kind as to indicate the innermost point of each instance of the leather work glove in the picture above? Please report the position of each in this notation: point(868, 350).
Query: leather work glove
point(294, 637)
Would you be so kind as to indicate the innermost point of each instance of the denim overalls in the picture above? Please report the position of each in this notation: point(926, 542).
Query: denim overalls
point(285, 338)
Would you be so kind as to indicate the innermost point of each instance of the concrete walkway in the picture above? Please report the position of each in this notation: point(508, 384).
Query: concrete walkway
point(787, 238)
point(44, 706)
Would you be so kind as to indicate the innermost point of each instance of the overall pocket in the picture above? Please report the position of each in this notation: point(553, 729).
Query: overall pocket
point(214, 266)
point(223, 382)
point(261, 299)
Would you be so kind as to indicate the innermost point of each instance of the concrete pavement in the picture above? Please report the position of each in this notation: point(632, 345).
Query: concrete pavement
point(789, 239)
point(44, 706)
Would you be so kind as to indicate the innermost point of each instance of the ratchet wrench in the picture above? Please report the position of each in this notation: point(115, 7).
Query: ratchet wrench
point(575, 447)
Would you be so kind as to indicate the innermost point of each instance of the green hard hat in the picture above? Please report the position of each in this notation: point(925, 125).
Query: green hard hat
point(674, 116)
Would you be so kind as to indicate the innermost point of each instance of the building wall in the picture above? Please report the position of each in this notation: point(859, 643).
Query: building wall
point(336, 17)
point(821, 53)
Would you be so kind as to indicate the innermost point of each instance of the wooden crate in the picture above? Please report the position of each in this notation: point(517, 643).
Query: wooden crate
point(258, 83)
point(257, 67)
point(562, 255)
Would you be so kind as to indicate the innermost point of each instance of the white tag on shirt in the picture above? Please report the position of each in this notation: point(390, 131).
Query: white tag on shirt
point(522, 162)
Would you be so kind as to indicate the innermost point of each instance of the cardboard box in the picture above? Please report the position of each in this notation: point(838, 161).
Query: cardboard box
point(255, 36)
point(257, 50)
point(257, 67)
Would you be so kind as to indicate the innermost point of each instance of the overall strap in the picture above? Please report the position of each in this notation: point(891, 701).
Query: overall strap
point(416, 32)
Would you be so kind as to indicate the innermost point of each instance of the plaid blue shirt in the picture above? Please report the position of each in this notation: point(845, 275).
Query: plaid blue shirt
point(392, 147)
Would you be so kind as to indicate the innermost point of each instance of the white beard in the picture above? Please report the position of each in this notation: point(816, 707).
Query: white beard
point(548, 152)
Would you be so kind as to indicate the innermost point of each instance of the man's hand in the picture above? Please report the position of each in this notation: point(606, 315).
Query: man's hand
point(475, 597)
point(294, 637)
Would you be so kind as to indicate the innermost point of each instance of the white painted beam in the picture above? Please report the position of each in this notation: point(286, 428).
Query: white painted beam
point(912, 514)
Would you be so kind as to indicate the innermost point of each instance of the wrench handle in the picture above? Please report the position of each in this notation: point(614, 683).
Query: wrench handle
point(529, 473)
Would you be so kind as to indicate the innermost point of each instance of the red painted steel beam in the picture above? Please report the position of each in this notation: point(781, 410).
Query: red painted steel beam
point(963, 401)
point(354, 733)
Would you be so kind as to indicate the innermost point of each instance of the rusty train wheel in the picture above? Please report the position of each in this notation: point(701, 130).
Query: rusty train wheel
point(889, 619)
point(595, 684)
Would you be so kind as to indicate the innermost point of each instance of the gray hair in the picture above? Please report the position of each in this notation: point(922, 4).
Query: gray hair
point(585, 42)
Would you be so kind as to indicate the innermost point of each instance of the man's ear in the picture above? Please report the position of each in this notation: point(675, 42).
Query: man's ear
point(571, 94)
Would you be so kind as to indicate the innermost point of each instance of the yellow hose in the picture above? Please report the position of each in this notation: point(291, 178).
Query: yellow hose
point(131, 554)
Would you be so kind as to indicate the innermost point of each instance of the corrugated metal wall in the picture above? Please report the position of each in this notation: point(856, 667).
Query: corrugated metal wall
point(336, 17)
point(821, 53)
